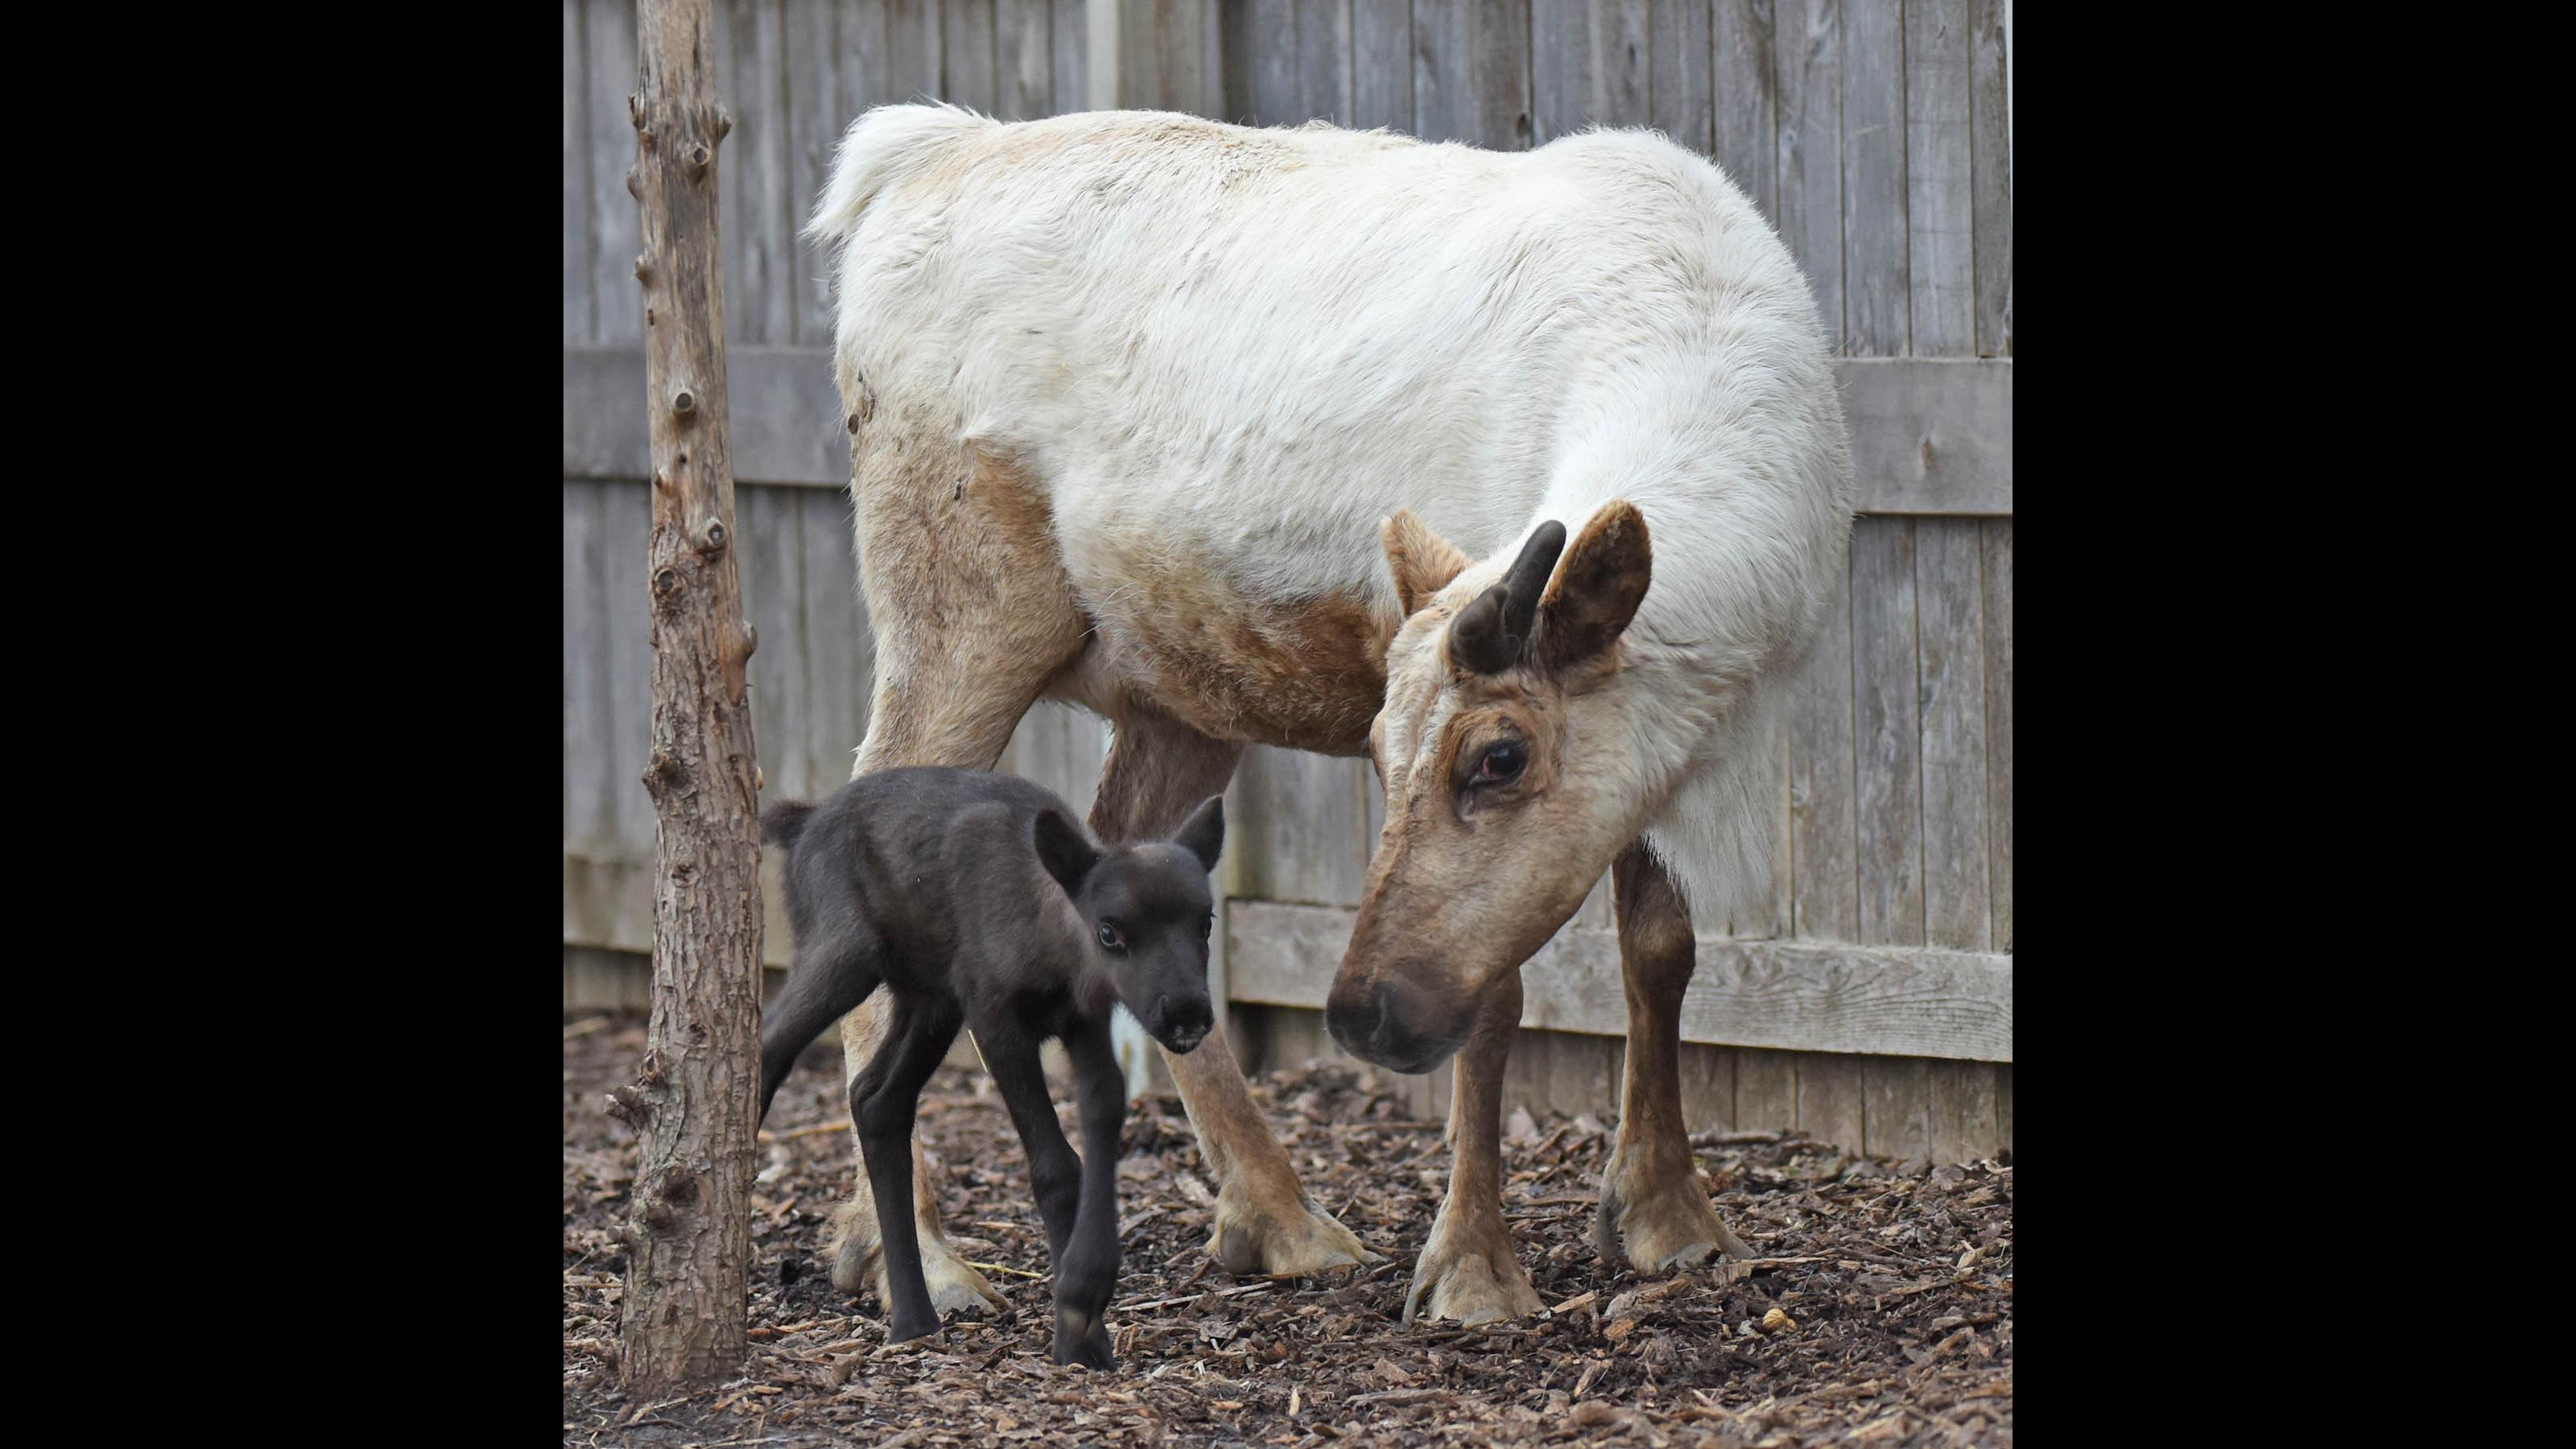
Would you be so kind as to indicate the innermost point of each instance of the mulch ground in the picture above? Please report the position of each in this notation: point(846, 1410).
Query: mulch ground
point(1892, 1285)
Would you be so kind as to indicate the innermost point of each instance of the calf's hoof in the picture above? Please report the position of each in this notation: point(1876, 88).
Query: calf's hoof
point(899, 1332)
point(1472, 1283)
point(1082, 1338)
point(858, 1265)
point(1662, 1222)
point(1290, 1238)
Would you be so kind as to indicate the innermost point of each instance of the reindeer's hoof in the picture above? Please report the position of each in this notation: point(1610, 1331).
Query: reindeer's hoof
point(858, 1265)
point(1667, 1223)
point(1083, 1339)
point(1293, 1239)
point(1472, 1285)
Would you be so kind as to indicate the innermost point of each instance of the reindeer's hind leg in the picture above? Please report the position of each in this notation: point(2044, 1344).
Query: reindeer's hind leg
point(1158, 771)
point(972, 615)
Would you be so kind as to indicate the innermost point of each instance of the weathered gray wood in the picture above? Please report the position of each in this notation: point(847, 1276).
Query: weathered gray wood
point(1708, 1087)
point(1823, 809)
point(1164, 47)
point(1767, 912)
point(577, 320)
point(1300, 820)
point(1998, 623)
point(1949, 654)
point(1023, 59)
point(628, 514)
point(1792, 995)
point(596, 980)
point(1678, 56)
point(1961, 1110)
point(1832, 1100)
point(1939, 195)
point(1587, 66)
point(1069, 57)
point(1930, 437)
point(1990, 159)
point(773, 597)
point(1324, 59)
point(1927, 437)
point(914, 57)
point(762, 214)
point(1895, 1104)
point(840, 654)
point(617, 302)
point(1261, 63)
point(1810, 74)
point(966, 72)
point(1382, 64)
point(1745, 81)
point(590, 790)
point(1887, 743)
point(816, 117)
point(2004, 1107)
point(1471, 72)
point(1766, 1090)
point(1874, 222)
point(608, 903)
point(1062, 748)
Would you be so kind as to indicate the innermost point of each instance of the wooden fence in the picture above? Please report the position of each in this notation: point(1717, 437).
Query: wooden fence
point(1868, 1000)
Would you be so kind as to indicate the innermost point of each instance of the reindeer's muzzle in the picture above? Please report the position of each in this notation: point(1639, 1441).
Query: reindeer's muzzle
point(1387, 1025)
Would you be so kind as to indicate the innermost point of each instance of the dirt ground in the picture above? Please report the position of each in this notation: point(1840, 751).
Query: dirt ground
point(1895, 1281)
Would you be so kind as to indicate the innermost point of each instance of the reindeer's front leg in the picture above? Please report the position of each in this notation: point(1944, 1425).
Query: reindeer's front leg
point(1654, 1206)
point(1468, 1267)
point(1088, 1272)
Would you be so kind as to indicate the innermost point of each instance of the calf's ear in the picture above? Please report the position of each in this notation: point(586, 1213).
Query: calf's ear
point(1064, 850)
point(1204, 832)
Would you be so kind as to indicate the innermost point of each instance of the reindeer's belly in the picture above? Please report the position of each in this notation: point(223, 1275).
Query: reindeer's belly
point(1305, 674)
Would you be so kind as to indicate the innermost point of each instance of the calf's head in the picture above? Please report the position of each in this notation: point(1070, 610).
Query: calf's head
point(1147, 909)
point(1506, 749)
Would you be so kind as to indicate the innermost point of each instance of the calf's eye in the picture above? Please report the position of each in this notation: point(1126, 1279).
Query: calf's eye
point(1110, 938)
point(1500, 763)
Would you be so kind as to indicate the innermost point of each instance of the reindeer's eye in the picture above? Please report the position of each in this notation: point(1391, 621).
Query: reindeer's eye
point(1500, 763)
point(1110, 938)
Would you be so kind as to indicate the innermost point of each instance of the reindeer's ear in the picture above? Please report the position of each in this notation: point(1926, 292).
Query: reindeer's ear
point(1492, 633)
point(1597, 589)
point(1064, 850)
point(1423, 562)
point(1204, 832)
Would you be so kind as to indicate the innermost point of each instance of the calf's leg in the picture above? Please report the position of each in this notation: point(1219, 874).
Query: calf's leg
point(972, 614)
point(828, 978)
point(1654, 1207)
point(1158, 772)
point(1468, 1269)
point(1054, 1172)
point(1087, 1271)
point(882, 1103)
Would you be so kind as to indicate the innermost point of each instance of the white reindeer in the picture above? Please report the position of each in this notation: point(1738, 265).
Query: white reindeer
point(1241, 436)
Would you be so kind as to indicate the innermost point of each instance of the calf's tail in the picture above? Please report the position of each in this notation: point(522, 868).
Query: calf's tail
point(781, 823)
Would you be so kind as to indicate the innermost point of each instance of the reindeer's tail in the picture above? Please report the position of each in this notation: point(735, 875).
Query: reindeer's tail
point(781, 823)
point(879, 148)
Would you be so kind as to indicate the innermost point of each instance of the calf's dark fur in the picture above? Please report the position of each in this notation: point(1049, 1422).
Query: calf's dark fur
point(977, 900)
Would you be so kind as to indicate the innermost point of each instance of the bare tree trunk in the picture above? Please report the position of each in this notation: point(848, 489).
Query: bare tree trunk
point(696, 1101)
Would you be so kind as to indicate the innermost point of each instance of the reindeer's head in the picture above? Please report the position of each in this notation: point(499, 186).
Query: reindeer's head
point(1506, 749)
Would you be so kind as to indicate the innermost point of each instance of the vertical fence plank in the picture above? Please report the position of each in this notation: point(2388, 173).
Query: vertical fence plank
point(1940, 198)
point(1888, 743)
point(839, 652)
point(576, 180)
point(1261, 62)
point(1382, 64)
point(1678, 55)
point(1708, 1088)
point(1961, 1109)
point(628, 514)
point(2004, 1107)
point(1950, 650)
point(1069, 81)
point(590, 819)
point(1998, 625)
point(966, 67)
point(1303, 827)
point(1744, 80)
point(1895, 1099)
point(1023, 59)
point(1471, 72)
point(1823, 819)
point(1587, 66)
point(1990, 166)
point(1766, 1089)
point(1324, 59)
point(1874, 234)
point(616, 226)
point(771, 523)
point(1832, 1100)
point(760, 228)
point(912, 61)
point(814, 121)
point(1808, 50)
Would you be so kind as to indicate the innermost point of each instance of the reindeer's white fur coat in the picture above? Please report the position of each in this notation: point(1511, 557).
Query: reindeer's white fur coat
point(1240, 350)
